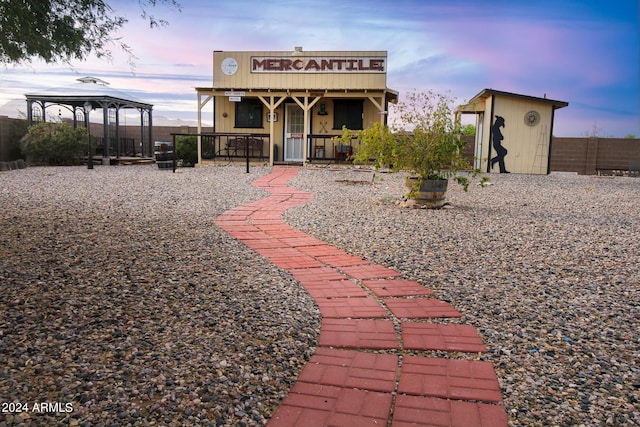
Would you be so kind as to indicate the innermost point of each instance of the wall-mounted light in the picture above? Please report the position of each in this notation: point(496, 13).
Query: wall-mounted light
point(323, 109)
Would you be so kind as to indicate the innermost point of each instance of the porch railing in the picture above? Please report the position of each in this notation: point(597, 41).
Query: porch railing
point(325, 148)
point(233, 145)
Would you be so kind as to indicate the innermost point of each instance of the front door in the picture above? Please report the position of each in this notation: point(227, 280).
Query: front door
point(294, 132)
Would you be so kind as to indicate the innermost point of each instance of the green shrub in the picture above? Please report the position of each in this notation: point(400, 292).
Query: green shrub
point(55, 144)
point(425, 142)
point(187, 149)
point(17, 130)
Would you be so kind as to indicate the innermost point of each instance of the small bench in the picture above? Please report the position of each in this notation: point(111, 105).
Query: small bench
point(342, 152)
point(236, 144)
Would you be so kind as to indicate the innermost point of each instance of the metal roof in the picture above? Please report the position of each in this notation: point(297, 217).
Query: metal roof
point(91, 89)
point(471, 106)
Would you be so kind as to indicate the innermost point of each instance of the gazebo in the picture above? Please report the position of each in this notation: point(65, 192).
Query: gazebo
point(89, 94)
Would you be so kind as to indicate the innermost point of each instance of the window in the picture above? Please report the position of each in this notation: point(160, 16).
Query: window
point(249, 113)
point(347, 112)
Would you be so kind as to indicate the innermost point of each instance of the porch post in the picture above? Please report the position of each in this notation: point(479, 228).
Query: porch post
point(199, 139)
point(306, 107)
point(272, 105)
point(271, 130)
point(305, 131)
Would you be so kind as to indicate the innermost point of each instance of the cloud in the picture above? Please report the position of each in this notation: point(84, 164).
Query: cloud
point(585, 53)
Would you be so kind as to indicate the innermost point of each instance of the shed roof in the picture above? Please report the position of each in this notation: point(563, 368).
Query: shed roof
point(472, 106)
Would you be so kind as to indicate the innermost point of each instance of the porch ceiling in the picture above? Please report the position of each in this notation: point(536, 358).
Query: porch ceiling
point(389, 94)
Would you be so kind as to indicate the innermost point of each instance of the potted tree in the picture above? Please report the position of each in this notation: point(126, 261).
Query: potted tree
point(425, 142)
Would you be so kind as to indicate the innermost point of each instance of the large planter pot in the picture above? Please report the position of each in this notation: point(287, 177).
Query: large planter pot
point(431, 192)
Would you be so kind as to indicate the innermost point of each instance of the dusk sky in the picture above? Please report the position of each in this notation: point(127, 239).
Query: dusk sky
point(586, 53)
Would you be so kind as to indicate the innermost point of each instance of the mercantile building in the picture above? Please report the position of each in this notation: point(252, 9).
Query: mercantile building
point(286, 106)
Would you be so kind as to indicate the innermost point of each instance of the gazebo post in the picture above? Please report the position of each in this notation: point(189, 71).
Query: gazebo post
point(75, 118)
point(87, 108)
point(105, 133)
point(118, 132)
point(151, 132)
point(29, 112)
point(142, 153)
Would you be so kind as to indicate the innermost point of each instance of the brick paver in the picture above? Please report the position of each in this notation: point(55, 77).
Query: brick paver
point(342, 260)
point(350, 308)
point(396, 288)
point(321, 250)
point(421, 308)
point(249, 235)
point(319, 405)
point(449, 378)
point(295, 262)
point(348, 368)
point(360, 334)
point(357, 376)
point(278, 252)
point(345, 288)
point(418, 411)
point(266, 243)
point(317, 273)
point(426, 336)
point(301, 241)
point(363, 272)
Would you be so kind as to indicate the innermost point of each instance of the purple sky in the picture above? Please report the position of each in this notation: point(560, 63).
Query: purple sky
point(582, 52)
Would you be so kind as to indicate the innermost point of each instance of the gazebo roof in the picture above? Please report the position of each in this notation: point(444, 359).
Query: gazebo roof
point(89, 89)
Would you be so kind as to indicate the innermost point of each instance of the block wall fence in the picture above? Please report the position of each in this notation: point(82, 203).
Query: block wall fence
point(584, 155)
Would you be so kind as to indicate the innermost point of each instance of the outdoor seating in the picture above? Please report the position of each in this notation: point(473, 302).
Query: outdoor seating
point(240, 144)
point(342, 152)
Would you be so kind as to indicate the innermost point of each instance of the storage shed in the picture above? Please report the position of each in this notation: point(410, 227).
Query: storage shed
point(513, 132)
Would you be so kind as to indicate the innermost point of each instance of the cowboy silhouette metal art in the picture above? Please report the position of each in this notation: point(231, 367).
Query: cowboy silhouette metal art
point(497, 138)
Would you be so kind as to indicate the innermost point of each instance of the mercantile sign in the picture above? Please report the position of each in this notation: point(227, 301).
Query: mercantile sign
point(320, 64)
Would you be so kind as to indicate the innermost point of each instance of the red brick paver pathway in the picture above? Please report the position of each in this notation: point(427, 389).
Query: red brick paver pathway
point(361, 373)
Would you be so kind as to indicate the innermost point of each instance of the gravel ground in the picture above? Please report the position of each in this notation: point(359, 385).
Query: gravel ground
point(546, 267)
point(121, 297)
